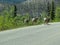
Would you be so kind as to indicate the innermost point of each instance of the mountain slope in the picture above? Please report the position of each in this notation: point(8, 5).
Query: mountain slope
point(33, 7)
point(11, 1)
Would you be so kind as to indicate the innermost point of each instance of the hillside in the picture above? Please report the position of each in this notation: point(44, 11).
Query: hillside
point(32, 7)
point(11, 1)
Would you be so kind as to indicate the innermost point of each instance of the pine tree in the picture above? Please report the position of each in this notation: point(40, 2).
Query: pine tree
point(48, 8)
point(15, 11)
point(52, 11)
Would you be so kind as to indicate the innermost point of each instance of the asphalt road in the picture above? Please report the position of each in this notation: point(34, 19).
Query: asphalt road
point(32, 35)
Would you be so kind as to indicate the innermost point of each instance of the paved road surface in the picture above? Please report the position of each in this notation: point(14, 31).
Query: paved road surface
point(34, 35)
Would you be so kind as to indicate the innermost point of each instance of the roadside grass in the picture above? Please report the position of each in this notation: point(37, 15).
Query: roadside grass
point(11, 24)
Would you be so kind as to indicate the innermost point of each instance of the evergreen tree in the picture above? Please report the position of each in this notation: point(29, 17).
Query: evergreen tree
point(48, 8)
point(15, 11)
point(52, 11)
